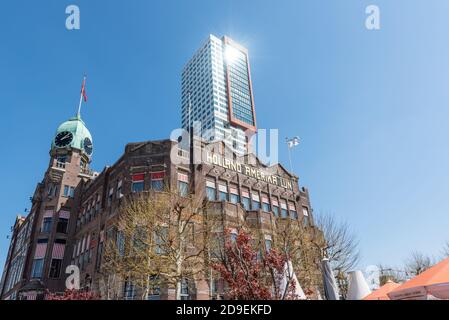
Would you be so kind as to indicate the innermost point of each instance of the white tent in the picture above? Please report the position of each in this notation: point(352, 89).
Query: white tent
point(290, 274)
point(358, 288)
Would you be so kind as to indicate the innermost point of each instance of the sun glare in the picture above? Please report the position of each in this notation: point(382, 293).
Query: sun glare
point(232, 54)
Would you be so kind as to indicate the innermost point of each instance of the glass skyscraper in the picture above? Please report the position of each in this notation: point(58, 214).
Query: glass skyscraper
point(216, 84)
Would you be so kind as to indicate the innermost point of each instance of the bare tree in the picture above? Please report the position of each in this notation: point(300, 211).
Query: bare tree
point(109, 284)
point(160, 241)
point(341, 243)
point(298, 245)
point(387, 273)
point(341, 248)
point(417, 263)
point(446, 250)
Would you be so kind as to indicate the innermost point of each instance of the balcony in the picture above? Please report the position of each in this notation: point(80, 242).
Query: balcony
point(59, 165)
point(86, 172)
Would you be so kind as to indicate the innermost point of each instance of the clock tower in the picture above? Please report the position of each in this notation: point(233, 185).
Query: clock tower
point(55, 206)
point(72, 136)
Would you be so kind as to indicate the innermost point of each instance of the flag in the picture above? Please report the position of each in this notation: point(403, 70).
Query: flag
point(293, 142)
point(83, 90)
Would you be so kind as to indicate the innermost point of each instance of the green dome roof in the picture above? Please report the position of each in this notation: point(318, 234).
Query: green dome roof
point(79, 133)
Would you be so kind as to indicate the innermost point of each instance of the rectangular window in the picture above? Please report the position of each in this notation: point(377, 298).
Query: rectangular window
point(293, 212)
point(256, 201)
point(38, 265)
point(160, 238)
point(58, 249)
point(121, 243)
point(210, 190)
point(46, 225)
point(305, 221)
point(305, 213)
point(51, 191)
point(129, 290)
point(222, 191)
point(99, 256)
point(185, 290)
point(69, 192)
point(78, 247)
point(81, 262)
point(61, 160)
point(234, 198)
point(265, 203)
point(245, 199)
point(83, 243)
point(284, 212)
point(183, 184)
point(62, 225)
point(137, 186)
point(214, 289)
point(157, 185)
point(266, 207)
point(275, 206)
point(55, 268)
point(234, 195)
point(138, 182)
point(154, 290)
point(183, 188)
point(246, 203)
point(88, 212)
point(86, 257)
point(157, 180)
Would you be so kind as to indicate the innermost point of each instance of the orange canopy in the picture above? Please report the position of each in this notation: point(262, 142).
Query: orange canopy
point(433, 281)
point(381, 293)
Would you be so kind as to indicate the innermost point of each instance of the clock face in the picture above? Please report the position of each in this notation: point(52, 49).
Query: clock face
point(63, 139)
point(88, 146)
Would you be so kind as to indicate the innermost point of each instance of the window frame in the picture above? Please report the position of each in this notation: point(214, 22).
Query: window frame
point(47, 223)
point(54, 269)
point(41, 268)
point(62, 221)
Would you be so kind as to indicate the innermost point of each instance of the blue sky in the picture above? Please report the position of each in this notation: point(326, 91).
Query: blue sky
point(371, 107)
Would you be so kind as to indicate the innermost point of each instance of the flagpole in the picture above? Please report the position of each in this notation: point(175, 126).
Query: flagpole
point(289, 156)
point(79, 106)
point(81, 98)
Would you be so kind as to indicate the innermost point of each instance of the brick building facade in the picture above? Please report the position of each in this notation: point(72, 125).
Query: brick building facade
point(74, 210)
